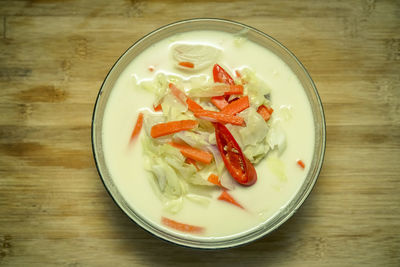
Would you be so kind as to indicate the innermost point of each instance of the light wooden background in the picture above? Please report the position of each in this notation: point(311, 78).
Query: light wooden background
point(54, 56)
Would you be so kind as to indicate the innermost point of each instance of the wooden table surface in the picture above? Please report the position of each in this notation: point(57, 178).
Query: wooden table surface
point(54, 55)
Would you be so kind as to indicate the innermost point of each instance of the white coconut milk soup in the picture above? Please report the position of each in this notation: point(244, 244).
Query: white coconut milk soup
point(155, 176)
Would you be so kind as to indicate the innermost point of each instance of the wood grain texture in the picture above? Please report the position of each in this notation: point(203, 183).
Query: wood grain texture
point(54, 56)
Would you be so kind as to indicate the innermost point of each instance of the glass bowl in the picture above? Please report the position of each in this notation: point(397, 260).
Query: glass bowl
point(255, 36)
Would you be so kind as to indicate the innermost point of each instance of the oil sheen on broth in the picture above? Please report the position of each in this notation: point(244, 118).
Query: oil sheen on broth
point(263, 199)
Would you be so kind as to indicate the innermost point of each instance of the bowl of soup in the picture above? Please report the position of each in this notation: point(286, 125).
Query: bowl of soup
point(208, 133)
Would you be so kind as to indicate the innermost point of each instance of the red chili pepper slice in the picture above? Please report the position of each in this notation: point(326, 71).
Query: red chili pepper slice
point(235, 161)
point(221, 76)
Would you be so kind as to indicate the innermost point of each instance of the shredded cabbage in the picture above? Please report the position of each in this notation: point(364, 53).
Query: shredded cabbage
point(159, 85)
point(173, 205)
point(173, 109)
point(252, 138)
point(277, 167)
point(170, 172)
point(219, 163)
point(197, 81)
point(205, 201)
point(285, 112)
point(208, 90)
point(276, 138)
point(256, 128)
point(226, 180)
point(255, 88)
point(197, 140)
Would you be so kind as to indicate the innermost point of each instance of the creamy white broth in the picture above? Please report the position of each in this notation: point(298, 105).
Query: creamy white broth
point(261, 200)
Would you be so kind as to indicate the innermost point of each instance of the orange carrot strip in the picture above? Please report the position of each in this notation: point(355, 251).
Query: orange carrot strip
point(138, 126)
point(192, 105)
point(235, 90)
point(228, 198)
point(151, 68)
point(172, 127)
point(265, 112)
point(193, 153)
point(215, 116)
point(183, 227)
point(214, 179)
point(192, 161)
point(238, 74)
point(186, 64)
point(178, 93)
point(301, 163)
point(158, 107)
point(219, 101)
point(236, 106)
